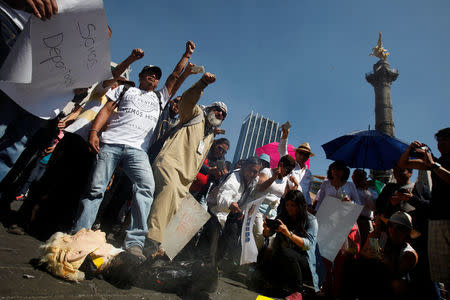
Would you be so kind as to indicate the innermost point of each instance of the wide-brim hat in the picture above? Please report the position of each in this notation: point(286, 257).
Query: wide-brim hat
point(404, 219)
point(305, 147)
point(152, 69)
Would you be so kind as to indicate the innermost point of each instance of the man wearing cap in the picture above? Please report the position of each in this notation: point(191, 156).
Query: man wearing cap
point(180, 159)
point(126, 140)
point(301, 172)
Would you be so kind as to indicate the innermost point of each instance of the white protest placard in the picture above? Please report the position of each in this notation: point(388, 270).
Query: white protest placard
point(335, 218)
point(190, 217)
point(51, 58)
point(249, 252)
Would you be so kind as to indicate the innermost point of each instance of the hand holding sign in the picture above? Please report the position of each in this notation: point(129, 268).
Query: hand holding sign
point(43, 9)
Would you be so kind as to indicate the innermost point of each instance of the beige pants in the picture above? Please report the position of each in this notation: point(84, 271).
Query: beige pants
point(169, 192)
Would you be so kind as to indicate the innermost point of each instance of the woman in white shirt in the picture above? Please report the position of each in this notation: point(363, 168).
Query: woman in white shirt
point(336, 185)
point(272, 185)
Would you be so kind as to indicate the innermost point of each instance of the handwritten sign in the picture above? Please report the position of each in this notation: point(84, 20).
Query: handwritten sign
point(71, 50)
point(249, 252)
point(190, 217)
point(335, 219)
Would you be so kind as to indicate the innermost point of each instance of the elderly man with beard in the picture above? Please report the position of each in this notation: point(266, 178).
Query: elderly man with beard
point(180, 159)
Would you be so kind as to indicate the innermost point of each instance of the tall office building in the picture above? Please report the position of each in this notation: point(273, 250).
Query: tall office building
point(256, 131)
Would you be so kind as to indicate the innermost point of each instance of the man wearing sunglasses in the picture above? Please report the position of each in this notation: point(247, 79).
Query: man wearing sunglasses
point(181, 157)
point(126, 141)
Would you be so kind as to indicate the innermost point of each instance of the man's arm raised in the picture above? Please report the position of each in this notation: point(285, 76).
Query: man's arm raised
point(172, 79)
point(135, 55)
point(191, 96)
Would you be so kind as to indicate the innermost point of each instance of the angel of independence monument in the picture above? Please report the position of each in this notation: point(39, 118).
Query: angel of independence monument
point(381, 79)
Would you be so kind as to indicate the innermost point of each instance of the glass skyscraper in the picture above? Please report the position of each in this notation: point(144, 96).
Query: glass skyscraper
point(256, 131)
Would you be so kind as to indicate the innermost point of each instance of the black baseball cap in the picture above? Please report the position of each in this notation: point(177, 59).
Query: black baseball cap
point(152, 69)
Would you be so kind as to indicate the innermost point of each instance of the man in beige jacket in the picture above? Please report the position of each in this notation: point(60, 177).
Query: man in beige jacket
point(181, 157)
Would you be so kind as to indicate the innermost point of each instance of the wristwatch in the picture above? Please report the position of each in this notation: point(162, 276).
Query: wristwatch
point(435, 165)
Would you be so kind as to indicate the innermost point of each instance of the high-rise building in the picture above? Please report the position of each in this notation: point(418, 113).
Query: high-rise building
point(256, 131)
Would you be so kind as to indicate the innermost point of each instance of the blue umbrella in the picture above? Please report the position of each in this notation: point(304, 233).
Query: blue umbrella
point(369, 149)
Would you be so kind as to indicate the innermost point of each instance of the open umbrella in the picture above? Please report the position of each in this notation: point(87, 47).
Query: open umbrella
point(369, 149)
point(272, 150)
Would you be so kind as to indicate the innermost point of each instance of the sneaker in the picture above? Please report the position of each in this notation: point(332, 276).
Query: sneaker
point(150, 247)
point(137, 251)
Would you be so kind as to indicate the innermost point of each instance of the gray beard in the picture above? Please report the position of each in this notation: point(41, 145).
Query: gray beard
point(211, 117)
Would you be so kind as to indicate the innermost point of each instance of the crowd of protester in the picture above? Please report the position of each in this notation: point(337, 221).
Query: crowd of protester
point(128, 154)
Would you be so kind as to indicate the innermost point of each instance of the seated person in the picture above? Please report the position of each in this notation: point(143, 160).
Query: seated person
point(271, 185)
point(289, 264)
point(228, 197)
point(384, 262)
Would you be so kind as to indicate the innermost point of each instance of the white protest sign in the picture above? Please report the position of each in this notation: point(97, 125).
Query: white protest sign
point(190, 217)
point(249, 252)
point(335, 218)
point(71, 50)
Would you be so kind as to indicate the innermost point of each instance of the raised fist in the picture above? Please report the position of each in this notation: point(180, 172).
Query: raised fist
point(137, 54)
point(208, 78)
point(190, 47)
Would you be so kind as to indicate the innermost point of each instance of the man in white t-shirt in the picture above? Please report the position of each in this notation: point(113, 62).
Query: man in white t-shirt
point(126, 140)
point(301, 171)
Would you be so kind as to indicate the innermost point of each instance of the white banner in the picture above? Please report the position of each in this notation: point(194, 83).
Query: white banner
point(249, 252)
point(335, 219)
point(190, 217)
point(51, 58)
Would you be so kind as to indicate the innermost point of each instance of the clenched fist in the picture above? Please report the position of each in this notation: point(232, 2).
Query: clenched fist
point(208, 78)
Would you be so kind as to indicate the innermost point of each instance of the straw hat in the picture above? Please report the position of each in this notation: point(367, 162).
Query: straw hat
point(305, 148)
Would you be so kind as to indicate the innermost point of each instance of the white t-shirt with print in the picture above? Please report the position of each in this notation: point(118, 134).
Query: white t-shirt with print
point(137, 115)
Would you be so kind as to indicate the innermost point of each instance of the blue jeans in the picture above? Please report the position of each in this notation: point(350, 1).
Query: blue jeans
point(137, 167)
point(16, 129)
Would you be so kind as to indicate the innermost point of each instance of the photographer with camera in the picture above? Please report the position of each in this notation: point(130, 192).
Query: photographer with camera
point(289, 263)
point(439, 211)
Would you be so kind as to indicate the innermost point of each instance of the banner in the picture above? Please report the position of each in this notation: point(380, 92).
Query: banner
point(249, 252)
point(335, 218)
point(51, 58)
point(188, 220)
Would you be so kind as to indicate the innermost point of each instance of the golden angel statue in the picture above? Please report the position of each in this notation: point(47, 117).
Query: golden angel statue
point(379, 51)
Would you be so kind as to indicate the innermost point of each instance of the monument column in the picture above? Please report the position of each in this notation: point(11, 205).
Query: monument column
point(381, 79)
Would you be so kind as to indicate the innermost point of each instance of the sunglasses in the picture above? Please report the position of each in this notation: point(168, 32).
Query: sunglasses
point(222, 149)
point(224, 113)
point(303, 153)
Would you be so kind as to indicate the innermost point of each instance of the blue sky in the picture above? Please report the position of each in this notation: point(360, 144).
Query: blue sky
point(302, 61)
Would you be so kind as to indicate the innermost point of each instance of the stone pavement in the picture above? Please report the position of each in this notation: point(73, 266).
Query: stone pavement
point(20, 280)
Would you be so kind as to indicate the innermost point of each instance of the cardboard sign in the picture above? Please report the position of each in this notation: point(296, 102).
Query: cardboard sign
point(51, 58)
point(249, 252)
point(190, 217)
point(335, 219)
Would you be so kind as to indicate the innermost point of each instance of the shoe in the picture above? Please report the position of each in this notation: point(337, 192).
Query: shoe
point(14, 229)
point(150, 247)
point(137, 251)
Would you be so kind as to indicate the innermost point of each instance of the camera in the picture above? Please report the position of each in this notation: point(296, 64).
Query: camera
point(272, 224)
point(419, 152)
